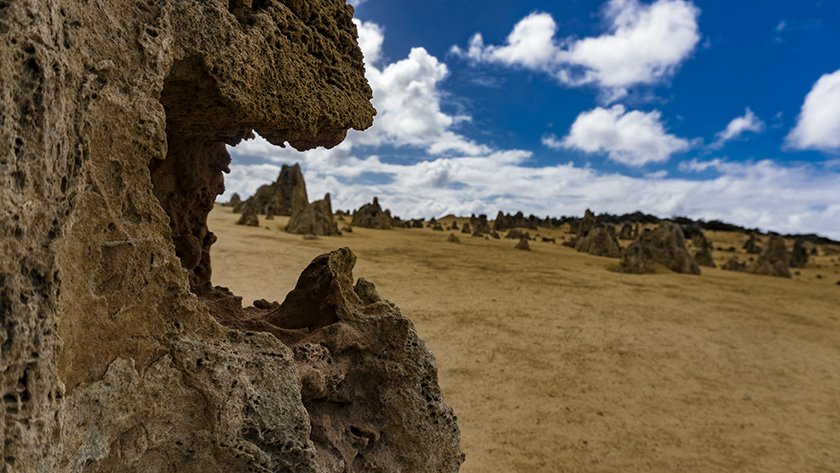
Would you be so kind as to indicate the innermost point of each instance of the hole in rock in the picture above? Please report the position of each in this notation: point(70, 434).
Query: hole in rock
point(245, 10)
point(199, 126)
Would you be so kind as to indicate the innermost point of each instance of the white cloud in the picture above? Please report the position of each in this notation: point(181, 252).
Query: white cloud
point(818, 126)
point(408, 100)
point(738, 126)
point(356, 3)
point(371, 37)
point(530, 44)
point(780, 28)
point(644, 44)
point(552, 141)
point(473, 178)
point(661, 174)
point(762, 194)
point(631, 137)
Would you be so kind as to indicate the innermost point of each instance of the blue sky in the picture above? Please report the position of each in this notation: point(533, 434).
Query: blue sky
point(710, 109)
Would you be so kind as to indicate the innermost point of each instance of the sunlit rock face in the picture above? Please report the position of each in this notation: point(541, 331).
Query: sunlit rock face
point(115, 116)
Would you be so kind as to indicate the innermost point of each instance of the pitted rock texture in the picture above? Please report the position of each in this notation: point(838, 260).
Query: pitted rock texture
point(114, 125)
point(664, 246)
point(372, 216)
point(315, 219)
point(285, 196)
point(367, 381)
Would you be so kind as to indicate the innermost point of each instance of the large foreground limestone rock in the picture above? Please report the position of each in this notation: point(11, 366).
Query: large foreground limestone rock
point(367, 381)
point(115, 118)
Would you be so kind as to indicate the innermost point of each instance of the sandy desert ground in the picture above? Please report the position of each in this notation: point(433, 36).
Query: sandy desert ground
point(553, 363)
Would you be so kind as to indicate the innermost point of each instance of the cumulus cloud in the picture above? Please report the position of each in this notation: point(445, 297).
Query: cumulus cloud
point(818, 126)
point(552, 141)
point(460, 176)
point(407, 97)
point(738, 126)
point(531, 44)
point(371, 37)
point(643, 44)
point(763, 194)
point(631, 137)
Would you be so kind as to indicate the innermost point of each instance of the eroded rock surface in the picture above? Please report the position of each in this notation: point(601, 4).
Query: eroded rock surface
point(286, 196)
point(116, 116)
point(799, 254)
point(703, 249)
point(752, 245)
point(248, 218)
point(517, 234)
point(774, 260)
point(523, 245)
point(733, 264)
point(372, 216)
point(506, 221)
point(480, 226)
point(316, 219)
point(234, 201)
point(595, 238)
point(664, 246)
point(628, 232)
point(588, 222)
point(367, 381)
point(599, 240)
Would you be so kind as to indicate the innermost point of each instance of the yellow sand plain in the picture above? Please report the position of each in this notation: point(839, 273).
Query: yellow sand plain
point(553, 363)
